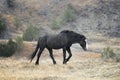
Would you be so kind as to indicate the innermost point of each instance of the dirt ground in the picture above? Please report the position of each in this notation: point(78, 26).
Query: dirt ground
point(82, 66)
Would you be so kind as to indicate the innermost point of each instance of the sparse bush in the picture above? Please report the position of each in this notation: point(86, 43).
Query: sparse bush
point(31, 33)
point(2, 49)
point(7, 50)
point(55, 25)
point(108, 53)
point(117, 57)
point(19, 42)
point(17, 22)
point(2, 24)
point(69, 15)
point(10, 3)
point(11, 47)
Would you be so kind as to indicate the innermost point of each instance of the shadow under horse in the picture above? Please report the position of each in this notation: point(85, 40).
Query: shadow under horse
point(63, 40)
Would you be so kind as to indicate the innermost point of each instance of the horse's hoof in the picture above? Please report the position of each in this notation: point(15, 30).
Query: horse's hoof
point(36, 63)
point(64, 62)
point(54, 63)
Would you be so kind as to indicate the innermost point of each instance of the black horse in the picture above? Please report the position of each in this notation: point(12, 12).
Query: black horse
point(62, 40)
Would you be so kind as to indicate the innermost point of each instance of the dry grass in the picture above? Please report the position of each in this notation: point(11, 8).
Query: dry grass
point(82, 66)
point(78, 68)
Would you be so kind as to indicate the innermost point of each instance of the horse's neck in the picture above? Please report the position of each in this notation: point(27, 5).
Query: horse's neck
point(73, 40)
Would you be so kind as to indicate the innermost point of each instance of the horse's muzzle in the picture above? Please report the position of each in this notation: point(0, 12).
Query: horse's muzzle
point(85, 49)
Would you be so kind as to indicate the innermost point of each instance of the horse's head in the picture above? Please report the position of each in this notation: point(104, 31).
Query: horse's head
point(83, 43)
point(74, 37)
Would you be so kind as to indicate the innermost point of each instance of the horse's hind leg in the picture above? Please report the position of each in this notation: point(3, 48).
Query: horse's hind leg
point(51, 55)
point(38, 56)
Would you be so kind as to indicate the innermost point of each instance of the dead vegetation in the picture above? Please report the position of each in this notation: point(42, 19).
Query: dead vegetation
point(78, 68)
point(83, 65)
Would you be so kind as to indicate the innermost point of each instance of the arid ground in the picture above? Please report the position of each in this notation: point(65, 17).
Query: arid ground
point(82, 66)
point(89, 17)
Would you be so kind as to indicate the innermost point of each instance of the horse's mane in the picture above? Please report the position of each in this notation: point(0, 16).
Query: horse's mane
point(66, 31)
point(69, 31)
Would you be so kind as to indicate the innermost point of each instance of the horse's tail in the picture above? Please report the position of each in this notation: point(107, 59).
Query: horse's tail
point(34, 53)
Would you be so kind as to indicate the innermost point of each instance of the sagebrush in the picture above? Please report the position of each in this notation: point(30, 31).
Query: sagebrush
point(55, 25)
point(19, 42)
point(2, 24)
point(69, 14)
point(10, 3)
point(7, 50)
point(107, 53)
point(31, 33)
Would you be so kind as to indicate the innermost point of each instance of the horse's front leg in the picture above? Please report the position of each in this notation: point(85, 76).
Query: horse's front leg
point(70, 54)
point(64, 55)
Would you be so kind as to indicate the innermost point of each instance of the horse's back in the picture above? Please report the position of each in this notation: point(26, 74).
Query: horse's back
point(57, 41)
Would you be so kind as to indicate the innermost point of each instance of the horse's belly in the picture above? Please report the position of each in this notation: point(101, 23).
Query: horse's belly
point(56, 46)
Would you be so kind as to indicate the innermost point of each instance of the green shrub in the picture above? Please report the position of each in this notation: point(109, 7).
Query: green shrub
point(17, 22)
point(69, 14)
point(7, 50)
point(2, 24)
point(117, 58)
point(11, 47)
point(55, 25)
point(10, 3)
point(108, 53)
point(3, 49)
point(19, 42)
point(31, 33)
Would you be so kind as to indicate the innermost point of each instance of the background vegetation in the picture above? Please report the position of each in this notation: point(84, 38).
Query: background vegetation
point(108, 53)
point(31, 33)
point(98, 20)
point(2, 24)
point(11, 47)
point(7, 50)
point(19, 42)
